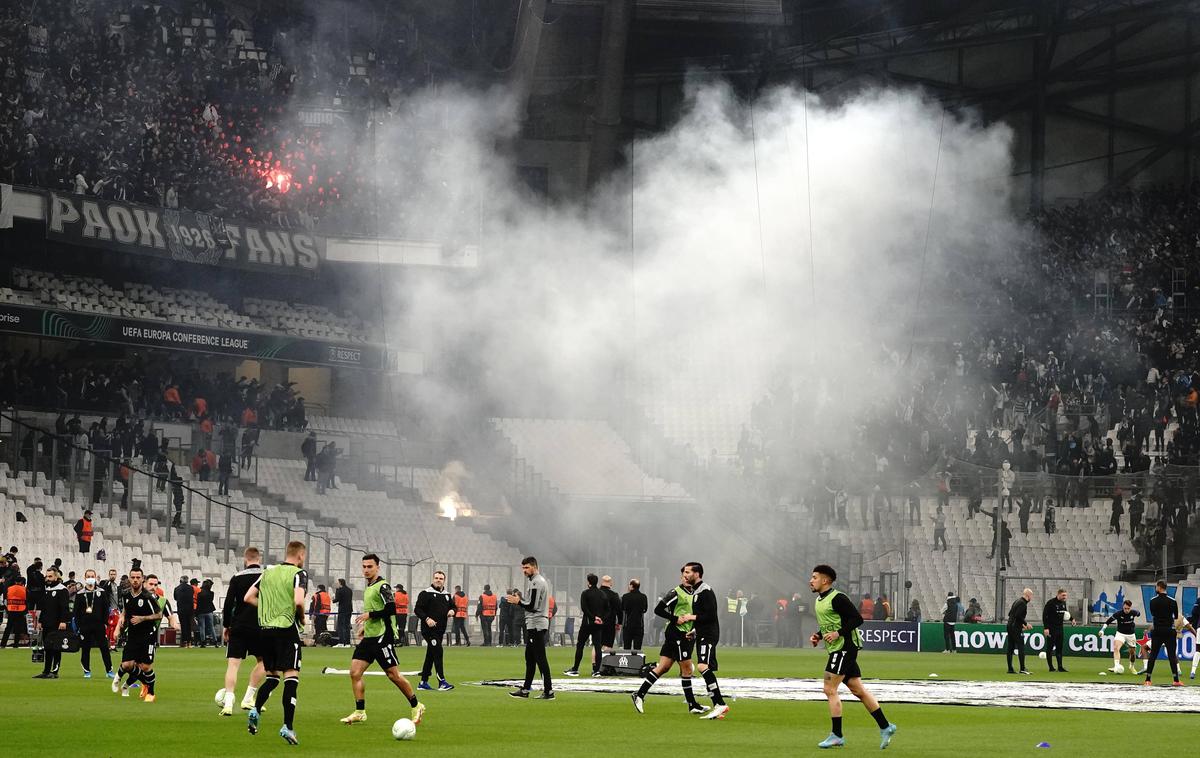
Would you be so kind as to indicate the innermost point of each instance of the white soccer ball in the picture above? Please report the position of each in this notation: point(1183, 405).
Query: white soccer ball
point(220, 698)
point(1042, 655)
point(1118, 669)
point(1066, 615)
point(404, 729)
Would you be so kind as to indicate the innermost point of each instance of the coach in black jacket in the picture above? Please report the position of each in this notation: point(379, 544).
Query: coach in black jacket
point(633, 613)
point(91, 620)
point(434, 608)
point(1054, 615)
point(55, 613)
point(185, 605)
point(596, 612)
point(1016, 627)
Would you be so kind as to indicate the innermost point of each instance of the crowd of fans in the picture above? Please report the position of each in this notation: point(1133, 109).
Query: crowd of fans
point(114, 100)
point(1037, 380)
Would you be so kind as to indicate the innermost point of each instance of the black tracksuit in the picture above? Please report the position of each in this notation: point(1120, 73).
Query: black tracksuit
point(1015, 628)
point(433, 604)
point(185, 607)
point(91, 619)
point(1052, 620)
point(614, 616)
point(593, 604)
point(1163, 612)
point(633, 614)
point(55, 609)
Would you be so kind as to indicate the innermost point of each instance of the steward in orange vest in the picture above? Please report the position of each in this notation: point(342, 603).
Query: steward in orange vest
point(17, 606)
point(485, 611)
point(322, 606)
point(401, 599)
point(84, 532)
point(460, 616)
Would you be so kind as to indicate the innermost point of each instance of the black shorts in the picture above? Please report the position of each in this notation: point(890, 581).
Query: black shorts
point(373, 650)
point(608, 635)
point(706, 652)
point(677, 648)
point(844, 663)
point(280, 649)
point(138, 650)
point(243, 643)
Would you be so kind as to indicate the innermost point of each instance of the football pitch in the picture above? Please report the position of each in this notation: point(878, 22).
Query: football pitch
point(72, 716)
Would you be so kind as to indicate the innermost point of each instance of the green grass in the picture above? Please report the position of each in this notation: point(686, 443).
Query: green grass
point(76, 717)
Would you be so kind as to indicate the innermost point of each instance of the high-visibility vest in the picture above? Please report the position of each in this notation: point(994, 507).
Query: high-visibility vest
point(86, 533)
point(731, 604)
point(460, 606)
point(195, 597)
point(552, 606)
point(489, 604)
point(324, 604)
point(401, 603)
point(16, 598)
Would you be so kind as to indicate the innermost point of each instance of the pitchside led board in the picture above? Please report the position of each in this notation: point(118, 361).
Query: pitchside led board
point(181, 235)
point(1078, 640)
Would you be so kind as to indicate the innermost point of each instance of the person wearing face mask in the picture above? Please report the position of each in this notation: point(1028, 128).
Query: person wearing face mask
point(91, 619)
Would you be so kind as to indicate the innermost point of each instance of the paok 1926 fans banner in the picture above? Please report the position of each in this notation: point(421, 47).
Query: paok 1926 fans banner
point(44, 322)
point(180, 235)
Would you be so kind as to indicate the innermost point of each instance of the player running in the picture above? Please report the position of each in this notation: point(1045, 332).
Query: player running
point(378, 643)
point(838, 622)
point(678, 640)
point(239, 621)
point(1126, 634)
point(279, 596)
point(141, 612)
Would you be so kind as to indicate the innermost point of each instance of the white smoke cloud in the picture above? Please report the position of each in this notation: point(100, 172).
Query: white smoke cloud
point(694, 263)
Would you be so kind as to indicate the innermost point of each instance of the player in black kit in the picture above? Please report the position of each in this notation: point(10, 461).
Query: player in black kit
point(1016, 627)
point(140, 612)
point(708, 634)
point(1126, 621)
point(1163, 613)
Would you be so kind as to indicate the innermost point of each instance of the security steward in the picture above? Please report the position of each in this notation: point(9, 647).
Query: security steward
point(401, 596)
point(91, 619)
point(322, 607)
point(55, 613)
point(460, 616)
point(485, 611)
point(18, 609)
point(84, 532)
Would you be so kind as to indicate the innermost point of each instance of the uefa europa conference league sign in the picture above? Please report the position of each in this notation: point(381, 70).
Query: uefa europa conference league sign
point(180, 235)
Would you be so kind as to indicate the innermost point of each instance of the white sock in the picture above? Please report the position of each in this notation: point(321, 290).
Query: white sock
point(1195, 660)
point(228, 699)
point(250, 693)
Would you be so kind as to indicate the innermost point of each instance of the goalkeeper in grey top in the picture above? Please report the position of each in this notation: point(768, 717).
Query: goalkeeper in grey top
point(536, 602)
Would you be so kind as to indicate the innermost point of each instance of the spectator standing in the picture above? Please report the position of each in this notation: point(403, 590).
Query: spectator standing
point(939, 528)
point(224, 471)
point(206, 606)
point(308, 449)
point(949, 619)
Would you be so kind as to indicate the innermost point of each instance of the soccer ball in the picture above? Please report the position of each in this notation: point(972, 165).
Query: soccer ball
point(1118, 669)
point(1042, 655)
point(404, 729)
point(1066, 615)
point(220, 698)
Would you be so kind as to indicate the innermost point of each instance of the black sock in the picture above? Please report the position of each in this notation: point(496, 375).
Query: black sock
point(880, 719)
point(268, 686)
point(149, 678)
point(714, 690)
point(412, 700)
point(647, 683)
point(687, 690)
point(290, 685)
point(132, 678)
point(360, 705)
point(837, 725)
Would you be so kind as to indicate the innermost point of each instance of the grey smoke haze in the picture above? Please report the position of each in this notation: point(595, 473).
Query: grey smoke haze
point(695, 262)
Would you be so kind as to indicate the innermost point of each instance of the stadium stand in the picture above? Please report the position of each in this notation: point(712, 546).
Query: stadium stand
point(93, 295)
point(584, 459)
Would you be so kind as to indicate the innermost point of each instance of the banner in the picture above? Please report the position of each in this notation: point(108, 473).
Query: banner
point(161, 334)
point(180, 235)
point(1077, 640)
point(891, 635)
